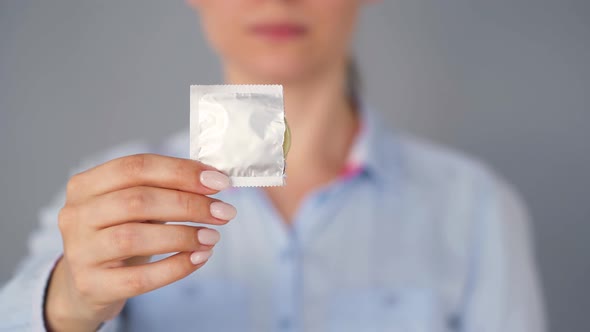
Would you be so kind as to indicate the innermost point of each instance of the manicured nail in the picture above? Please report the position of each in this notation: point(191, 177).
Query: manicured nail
point(208, 236)
point(199, 257)
point(214, 180)
point(221, 210)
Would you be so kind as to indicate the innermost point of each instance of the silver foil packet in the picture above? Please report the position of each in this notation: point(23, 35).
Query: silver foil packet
point(240, 130)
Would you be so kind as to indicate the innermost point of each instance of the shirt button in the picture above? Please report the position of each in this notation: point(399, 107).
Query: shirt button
point(190, 291)
point(390, 300)
point(285, 323)
point(454, 322)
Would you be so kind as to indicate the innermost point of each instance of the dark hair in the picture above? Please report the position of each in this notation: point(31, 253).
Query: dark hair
point(353, 81)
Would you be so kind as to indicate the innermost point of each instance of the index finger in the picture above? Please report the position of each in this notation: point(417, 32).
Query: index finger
point(147, 170)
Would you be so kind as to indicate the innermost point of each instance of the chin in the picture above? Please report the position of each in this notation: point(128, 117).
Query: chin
point(274, 67)
point(281, 72)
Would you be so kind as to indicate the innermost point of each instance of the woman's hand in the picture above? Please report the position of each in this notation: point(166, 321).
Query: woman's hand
point(113, 222)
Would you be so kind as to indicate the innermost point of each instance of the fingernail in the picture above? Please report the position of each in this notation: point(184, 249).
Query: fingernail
point(199, 257)
point(221, 210)
point(214, 180)
point(208, 236)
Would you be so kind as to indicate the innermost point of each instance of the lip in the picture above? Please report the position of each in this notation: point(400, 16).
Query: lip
point(279, 31)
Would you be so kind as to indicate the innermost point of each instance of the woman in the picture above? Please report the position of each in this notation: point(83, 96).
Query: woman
point(373, 232)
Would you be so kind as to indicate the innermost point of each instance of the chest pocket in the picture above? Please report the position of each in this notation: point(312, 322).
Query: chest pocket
point(189, 305)
point(381, 309)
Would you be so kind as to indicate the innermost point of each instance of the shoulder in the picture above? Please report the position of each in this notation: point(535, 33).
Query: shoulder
point(432, 165)
point(454, 183)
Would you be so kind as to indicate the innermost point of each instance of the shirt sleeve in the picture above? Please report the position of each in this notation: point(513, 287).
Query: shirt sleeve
point(503, 291)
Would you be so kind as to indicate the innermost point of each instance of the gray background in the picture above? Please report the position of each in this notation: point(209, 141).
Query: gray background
point(507, 81)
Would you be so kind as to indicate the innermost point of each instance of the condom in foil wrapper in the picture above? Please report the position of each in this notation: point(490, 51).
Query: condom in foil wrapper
point(241, 131)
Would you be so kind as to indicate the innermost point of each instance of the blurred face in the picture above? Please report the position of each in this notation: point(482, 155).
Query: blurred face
point(279, 41)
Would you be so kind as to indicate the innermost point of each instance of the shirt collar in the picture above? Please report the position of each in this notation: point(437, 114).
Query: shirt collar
point(374, 152)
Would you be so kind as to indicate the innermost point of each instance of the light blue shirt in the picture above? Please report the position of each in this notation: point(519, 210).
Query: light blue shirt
point(418, 239)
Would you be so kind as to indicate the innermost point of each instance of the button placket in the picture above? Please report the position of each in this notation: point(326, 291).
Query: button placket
point(287, 285)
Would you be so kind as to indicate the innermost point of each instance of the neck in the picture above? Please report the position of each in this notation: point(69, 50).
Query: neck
point(320, 115)
point(323, 123)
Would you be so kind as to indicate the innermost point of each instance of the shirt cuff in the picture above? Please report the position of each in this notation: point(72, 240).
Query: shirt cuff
point(40, 289)
point(39, 296)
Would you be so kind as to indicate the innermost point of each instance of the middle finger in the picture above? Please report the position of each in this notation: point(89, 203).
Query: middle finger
point(157, 204)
